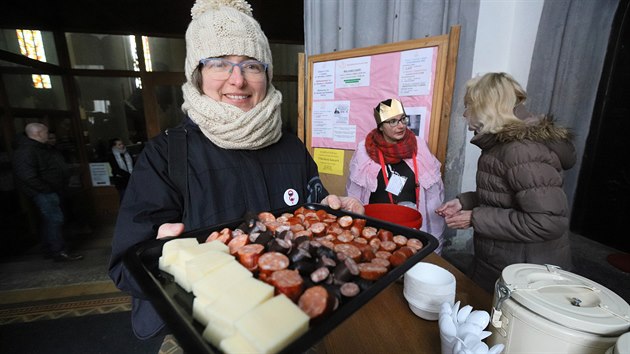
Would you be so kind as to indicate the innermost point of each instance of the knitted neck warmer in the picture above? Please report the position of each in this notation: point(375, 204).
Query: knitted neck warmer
point(228, 126)
point(392, 153)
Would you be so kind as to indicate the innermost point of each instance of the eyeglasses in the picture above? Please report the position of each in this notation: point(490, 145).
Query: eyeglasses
point(221, 69)
point(394, 122)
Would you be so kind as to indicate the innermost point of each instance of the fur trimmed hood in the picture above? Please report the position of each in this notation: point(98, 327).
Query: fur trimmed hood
point(538, 129)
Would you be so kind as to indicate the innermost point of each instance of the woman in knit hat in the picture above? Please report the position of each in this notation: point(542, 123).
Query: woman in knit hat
point(237, 158)
point(392, 165)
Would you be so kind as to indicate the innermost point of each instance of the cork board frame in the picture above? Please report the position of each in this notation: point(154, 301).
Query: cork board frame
point(443, 76)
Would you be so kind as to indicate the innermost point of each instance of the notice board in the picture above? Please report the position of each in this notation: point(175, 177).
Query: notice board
point(342, 89)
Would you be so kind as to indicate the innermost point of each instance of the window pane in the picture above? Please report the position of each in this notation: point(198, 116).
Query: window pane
point(9, 42)
point(164, 54)
point(23, 93)
point(169, 99)
point(110, 108)
point(101, 51)
point(285, 58)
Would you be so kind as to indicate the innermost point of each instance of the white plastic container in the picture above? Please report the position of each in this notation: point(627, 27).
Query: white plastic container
point(426, 287)
point(543, 309)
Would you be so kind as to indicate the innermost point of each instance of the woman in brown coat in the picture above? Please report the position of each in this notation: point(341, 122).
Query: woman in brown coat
point(519, 211)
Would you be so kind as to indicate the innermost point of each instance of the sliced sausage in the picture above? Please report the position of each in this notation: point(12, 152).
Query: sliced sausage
point(345, 237)
point(320, 274)
point(318, 229)
point(415, 244)
point(371, 271)
point(349, 290)
point(388, 246)
point(345, 221)
point(369, 232)
point(248, 255)
point(383, 254)
point(385, 235)
point(316, 302)
point(266, 217)
point(271, 262)
point(397, 258)
point(287, 282)
point(382, 262)
point(238, 242)
point(350, 250)
point(400, 240)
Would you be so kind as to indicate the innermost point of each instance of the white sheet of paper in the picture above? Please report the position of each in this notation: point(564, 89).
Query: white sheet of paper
point(396, 184)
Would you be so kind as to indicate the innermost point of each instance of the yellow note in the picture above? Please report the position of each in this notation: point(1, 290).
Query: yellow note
point(329, 161)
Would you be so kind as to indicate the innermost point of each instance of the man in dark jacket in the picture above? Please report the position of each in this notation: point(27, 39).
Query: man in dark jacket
point(41, 174)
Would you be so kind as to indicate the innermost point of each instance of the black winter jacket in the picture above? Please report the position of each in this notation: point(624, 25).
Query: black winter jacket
point(222, 184)
point(39, 168)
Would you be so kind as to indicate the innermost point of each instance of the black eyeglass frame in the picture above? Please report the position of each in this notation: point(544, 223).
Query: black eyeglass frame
point(394, 122)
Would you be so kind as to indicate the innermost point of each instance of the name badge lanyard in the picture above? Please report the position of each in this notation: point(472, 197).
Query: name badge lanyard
point(415, 171)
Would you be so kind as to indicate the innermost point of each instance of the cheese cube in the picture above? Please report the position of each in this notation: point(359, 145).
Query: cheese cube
point(237, 344)
point(232, 304)
point(214, 283)
point(186, 254)
point(272, 325)
point(202, 264)
point(217, 246)
point(198, 310)
point(170, 251)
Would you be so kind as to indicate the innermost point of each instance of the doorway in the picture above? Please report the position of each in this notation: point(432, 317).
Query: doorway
point(602, 204)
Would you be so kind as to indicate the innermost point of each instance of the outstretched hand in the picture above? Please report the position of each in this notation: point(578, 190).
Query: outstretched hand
point(460, 220)
point(170, 229)
point(449, 208)
point(350, 204)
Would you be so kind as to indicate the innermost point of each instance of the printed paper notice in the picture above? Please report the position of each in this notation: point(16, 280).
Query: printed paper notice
point(353, 72)
point(345, 133)
point(324, 81)
point(415, 72)
point(329, 161)
point(99, 172)
point(329, 113)
point(417, 120)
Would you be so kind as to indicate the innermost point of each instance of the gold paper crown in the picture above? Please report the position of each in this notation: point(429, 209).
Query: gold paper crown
point(388, 109)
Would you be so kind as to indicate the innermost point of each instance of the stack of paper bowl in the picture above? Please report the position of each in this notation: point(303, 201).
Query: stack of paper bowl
point(426, 287)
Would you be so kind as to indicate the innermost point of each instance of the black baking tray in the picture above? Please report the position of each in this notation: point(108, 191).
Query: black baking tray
point(174, 304)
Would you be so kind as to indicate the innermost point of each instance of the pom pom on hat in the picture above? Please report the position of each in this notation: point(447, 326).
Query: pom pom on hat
point(224, 27)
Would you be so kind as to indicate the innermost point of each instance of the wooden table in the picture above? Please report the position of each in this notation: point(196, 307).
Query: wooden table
point(386, 324)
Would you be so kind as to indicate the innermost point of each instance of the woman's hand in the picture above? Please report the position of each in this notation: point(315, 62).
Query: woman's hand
point(350, 204)
point(169, 230)
point(460, 220)
point(449, 208)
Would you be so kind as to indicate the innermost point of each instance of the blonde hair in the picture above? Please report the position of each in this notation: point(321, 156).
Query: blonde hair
point(491, 99)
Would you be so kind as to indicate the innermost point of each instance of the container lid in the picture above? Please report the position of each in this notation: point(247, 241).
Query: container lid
point(567, 299)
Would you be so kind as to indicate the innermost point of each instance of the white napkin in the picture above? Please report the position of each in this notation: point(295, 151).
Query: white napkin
point(462, 330)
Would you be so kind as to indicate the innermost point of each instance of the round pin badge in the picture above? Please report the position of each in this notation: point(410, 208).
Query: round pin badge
point(291, 197)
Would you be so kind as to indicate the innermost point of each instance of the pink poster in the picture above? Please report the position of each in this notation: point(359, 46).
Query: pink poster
point(345, 92)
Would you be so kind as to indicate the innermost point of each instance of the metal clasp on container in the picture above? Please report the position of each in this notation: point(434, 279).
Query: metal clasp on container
point(502, 294)
point(552, 268)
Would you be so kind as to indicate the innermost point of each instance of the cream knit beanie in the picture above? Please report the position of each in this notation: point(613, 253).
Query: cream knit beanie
point(224, 27)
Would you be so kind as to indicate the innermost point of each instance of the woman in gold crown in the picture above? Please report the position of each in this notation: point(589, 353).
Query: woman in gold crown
point(391, 155)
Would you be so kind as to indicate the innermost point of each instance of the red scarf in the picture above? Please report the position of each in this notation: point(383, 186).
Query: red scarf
point(393, 153)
